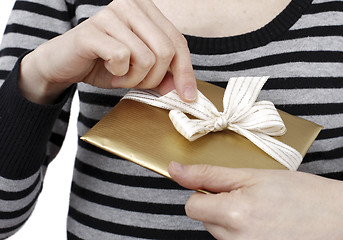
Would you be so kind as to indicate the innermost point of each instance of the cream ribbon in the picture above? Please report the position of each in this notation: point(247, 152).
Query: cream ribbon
point(257, 121)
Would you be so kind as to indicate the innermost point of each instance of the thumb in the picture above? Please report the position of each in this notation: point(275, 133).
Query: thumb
point(211, 178)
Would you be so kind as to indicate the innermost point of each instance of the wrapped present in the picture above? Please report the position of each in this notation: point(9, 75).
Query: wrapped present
point(222, 127)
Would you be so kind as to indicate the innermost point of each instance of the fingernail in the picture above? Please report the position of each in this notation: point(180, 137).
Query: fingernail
point(190, 93)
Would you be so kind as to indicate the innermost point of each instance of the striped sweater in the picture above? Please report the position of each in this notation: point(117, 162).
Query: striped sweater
point(111, 198)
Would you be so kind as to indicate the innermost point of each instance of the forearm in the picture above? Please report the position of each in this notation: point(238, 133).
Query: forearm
point(28, 131)
point(33, 86)
point(25, 129)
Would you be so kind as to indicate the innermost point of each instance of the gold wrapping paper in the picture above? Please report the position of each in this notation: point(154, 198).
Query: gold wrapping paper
point(145, 135)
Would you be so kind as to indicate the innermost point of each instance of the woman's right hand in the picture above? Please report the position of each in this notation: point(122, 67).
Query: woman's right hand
point(127, 44)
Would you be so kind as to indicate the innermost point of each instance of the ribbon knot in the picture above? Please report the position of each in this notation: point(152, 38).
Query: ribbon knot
point(220, 123)
point(255, 120)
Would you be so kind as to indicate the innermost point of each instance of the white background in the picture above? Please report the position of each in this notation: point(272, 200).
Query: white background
point(48, 220)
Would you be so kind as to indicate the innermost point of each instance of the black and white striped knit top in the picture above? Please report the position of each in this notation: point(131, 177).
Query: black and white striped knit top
point(111, 198)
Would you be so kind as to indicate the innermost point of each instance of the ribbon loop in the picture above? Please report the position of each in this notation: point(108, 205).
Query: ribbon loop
point(257, 121)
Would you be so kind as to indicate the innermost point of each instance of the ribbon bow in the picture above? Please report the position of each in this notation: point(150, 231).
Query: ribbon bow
point(257, 121)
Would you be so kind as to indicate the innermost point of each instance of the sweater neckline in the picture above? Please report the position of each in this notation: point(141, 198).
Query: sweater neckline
point(260, 37)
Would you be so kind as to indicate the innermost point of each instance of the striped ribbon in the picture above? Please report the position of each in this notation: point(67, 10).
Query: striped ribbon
point(258, 121)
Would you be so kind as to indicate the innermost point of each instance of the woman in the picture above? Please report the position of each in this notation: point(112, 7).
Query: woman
point(125, 44)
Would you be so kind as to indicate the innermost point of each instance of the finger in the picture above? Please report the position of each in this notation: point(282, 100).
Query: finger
point(119, 63)
point(147, 32)
point(115, 54)
point(211, 178)
point(158, 43)
point(182, 69)
point(166, 85)
point(204, 207)
point(219, 209)
point(181, 65)
point(132, 79)
point(157, 73)
point(99, 76)
point(142, 58)
point(218, 231)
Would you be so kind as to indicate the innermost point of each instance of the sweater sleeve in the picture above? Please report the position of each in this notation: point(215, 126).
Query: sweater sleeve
point(30, 134)
point(25, 129)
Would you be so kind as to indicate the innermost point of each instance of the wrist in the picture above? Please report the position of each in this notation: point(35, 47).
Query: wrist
point(34, 86)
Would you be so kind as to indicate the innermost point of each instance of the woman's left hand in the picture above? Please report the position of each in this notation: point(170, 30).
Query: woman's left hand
point(262, 204)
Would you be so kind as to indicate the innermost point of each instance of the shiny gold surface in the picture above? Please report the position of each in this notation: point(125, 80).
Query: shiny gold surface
point(145, 135)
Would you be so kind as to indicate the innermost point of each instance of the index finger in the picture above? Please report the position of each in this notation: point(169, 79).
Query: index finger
point(211, 208)
point(182, 69)
point(181, 64)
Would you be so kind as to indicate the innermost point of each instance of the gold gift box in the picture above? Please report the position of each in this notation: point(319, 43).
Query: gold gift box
point(145, 135)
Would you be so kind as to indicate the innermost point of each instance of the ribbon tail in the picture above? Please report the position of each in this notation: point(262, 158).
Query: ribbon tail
point(202, 108)
point(146, 96)
point(284, 154)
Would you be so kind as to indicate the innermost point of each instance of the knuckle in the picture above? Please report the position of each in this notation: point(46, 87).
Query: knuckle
point(147, 62)
point(101, 17)
point(81, 39)
point(123, 5)
point(180, 41)
point(233, 219)
point(204, 170)
point(165, 54)
point(122, 56)
point(238, 213)
point(124, 2)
